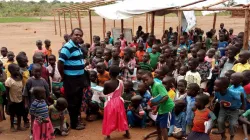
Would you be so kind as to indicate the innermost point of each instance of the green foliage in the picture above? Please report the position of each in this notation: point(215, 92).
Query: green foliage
point(22, 8)
point(18, 19)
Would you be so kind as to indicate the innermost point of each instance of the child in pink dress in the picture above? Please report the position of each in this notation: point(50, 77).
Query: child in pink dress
point(114, 112)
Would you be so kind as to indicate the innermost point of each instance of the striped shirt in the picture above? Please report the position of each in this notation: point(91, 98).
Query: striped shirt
point(39, 109)
point(72, 57)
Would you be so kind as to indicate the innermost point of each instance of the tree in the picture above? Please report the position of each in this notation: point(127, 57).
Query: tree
point(42, 2)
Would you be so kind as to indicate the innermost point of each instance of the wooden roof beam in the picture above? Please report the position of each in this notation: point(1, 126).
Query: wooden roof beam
point(217, 3)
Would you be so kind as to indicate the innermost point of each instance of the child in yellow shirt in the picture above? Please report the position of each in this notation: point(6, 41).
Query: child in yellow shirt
point(243, 62)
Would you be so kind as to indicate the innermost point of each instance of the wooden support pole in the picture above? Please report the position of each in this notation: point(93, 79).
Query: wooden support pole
point(90, 27)
point(179, 26)
point(246, 32)
point(152, 23)
point(114, 23)
point(55, 23)
point(64, 19)
point(79, 19)
point(214, 22)
point(164, 20)
point(122, 25)
point(146, 22)
point(59, 20)
point(104, 26)
point(133, 26)
point(70, 18)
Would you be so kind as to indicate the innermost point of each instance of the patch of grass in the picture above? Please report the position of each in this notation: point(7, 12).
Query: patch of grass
point(18, 19)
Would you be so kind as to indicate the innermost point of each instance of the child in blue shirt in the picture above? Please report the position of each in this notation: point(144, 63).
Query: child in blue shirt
point(192, 91)
point(222, 44)
point(182, 45)
point(230, 103)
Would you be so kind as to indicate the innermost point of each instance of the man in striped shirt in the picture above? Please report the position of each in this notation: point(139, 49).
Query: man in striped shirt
point(71, 68)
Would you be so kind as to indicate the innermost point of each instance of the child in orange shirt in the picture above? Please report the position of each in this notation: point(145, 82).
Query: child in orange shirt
point(140, 52)
point(102, 75)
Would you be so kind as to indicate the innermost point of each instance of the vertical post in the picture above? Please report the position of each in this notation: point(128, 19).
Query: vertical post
point(133, 25)
point(152, 22)
point(146, 22)
point(214, 22)
point(164, 20)
point(79, 19)
point(179, 26)
point(114, 23)
point(55, 23)
point(104, 27)
point(246, 31)
point(70, 18)
point(90, 27)
point(59, 20)
point(122, 25)
point(65, 25)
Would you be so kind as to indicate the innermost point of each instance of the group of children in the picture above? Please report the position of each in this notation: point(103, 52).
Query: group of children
point(141, 83)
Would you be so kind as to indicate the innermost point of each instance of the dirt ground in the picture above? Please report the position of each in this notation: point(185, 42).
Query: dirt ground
point(22, 37)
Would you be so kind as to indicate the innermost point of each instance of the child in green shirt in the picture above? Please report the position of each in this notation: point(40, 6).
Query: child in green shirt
point(164, 106)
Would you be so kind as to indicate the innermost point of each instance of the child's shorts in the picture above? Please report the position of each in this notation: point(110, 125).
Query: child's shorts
point(165, 120)
point(16, 109)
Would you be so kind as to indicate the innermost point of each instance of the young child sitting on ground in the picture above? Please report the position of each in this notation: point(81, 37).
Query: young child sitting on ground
point(102, 75)
point(136, 115)
point(201, 115)
point(230, 101)
point(178, 130)
point(57, 113)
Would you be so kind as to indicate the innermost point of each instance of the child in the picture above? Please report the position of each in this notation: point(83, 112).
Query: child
point(168, 59)
point(192, 91)
point(194, 52)
point(182, 72)
point(178, 129)
point(192, 76)
point(14, 88)
point(161, 61)
point(40, 48)
point(246, 122)
point(123, 42)
point(209, 41)
point(97, 58)
point(107, 56)
point(3, 56)
point(47, 46)
point(53, 72)
point(154, 56)
point(159, 75)
point(236, 81)
point(114, 108)
point(243, 62)
point(134, 44)
point(2, 90)
point(41, 125)
point(136, 115)
point(210, 57)
point(228, 75)
point(181, 90)
point(3, 100)
point(128, 93)
point(142, 90)
point(168, 83)
point(10, 56)
point(57, 114)
point(182, 45)
point(222, 44)
point(140, 53)
point(115, 60)
point(35, 81)
point(246, 84)
point(229, 63)
point(203, 68)
point(230, 101)
point(201, 115)
point(177, 66)
point(127, 65)
point(22, 61)
point(103, 75)
point(165, 105)
point(145, 63)
point(183, 57)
